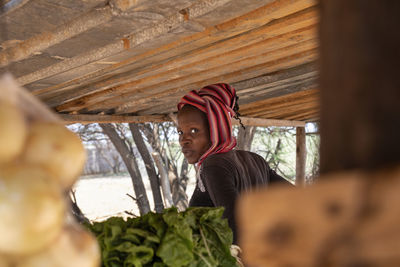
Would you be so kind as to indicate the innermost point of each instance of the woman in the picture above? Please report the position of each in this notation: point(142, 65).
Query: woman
point(205, 135)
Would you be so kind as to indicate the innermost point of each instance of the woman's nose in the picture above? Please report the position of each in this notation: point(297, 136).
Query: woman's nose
point(184, 139)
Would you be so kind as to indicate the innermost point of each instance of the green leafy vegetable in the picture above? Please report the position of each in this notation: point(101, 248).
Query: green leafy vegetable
point(196, 237)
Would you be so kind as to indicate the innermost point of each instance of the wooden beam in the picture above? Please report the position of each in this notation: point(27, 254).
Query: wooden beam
point(272, 77)
point(74, 27)
point(169, 105)
point(268, 122)
point(272, 12)
point(85, 119)
point(198, 8)
point(181, 86)
point(301, 156)
point(221, 63)
point(282, 87)
point(173, 117)
point(304, 115)
point(289, 98)
point(286, 109)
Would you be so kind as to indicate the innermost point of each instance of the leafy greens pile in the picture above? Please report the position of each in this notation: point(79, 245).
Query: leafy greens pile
point(193, 238)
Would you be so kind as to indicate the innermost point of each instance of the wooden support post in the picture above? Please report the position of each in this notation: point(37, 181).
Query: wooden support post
point(301, 156)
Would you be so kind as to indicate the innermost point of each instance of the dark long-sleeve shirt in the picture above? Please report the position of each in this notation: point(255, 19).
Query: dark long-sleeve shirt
point(226, 175)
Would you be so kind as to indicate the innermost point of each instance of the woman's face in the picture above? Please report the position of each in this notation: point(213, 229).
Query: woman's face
point(194, 134)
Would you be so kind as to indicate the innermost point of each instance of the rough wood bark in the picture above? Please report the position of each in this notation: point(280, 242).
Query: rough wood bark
point(149, 164)
point(360, 84)
point(245, 137)
point(131, 165)
point(165, 185)
point(301, 156)
point(179, 180)
point(179, 186)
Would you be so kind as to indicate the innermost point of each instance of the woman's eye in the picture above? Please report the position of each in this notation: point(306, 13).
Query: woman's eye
point(193, 130)
point(180, 132)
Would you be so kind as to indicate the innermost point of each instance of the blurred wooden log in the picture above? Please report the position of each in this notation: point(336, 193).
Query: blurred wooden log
point(349, 219)
point(360, 84)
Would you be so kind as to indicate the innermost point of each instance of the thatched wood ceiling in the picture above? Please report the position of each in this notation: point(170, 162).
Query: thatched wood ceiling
point(124, 60)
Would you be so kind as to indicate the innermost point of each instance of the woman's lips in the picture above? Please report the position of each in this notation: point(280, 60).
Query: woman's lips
point(187, 153)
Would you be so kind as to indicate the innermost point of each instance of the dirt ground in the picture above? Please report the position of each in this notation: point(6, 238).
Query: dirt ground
point(102, 197)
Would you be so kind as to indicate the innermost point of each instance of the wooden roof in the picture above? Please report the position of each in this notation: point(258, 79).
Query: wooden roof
point(125, 60)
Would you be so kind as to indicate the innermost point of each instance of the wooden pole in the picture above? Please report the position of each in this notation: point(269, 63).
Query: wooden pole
point(301, 156)
point(360, 84)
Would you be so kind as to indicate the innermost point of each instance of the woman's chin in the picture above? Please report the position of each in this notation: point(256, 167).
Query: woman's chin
point(191, 160)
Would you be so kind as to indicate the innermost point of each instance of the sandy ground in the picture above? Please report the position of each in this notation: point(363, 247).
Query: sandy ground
point(102, 197)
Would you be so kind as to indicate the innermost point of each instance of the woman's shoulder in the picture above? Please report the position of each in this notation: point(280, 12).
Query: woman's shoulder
point(232, 156)
point(218, 158)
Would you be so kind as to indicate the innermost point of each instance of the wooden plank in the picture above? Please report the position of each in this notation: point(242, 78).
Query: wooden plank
point(292, 85)
point(284, 98)
point(180, 55)
point(141, 36)
point(255, 106)
point(284, 86)
point(305, 115)
point(142, 19)
point(66, 31)
point(254, 19)
point(288, 110)
point(296, 114)
point(345, 219)
point(295, 103)
point(268, 122)
point(228, 66)
point(270, 109)
point(222, 62)
point(301, 156)
point(169, 104)
point(85, 119)
point(270, 78)
point(184, 85)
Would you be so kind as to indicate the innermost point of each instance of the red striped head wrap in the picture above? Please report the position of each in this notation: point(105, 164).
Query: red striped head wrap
point(217, 101)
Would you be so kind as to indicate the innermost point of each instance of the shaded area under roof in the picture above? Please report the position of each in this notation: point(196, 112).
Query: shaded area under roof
point(90, 59)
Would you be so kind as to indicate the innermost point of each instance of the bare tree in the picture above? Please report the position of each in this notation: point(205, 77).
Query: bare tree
point(121, 144)
point(150, 168)
point(245, 137)
point(102, 155)
point(161, 138)
point(158, 136)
